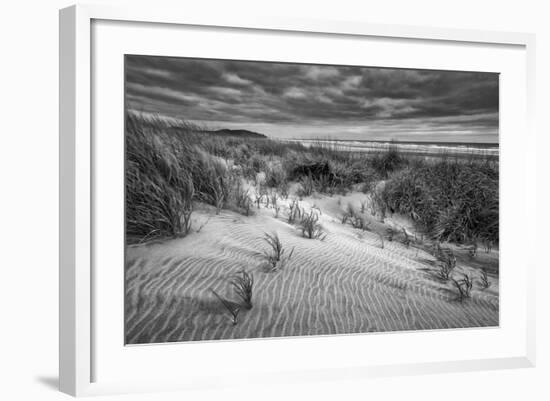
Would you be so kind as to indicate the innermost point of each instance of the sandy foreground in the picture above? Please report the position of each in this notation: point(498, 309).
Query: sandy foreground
point(346, 283)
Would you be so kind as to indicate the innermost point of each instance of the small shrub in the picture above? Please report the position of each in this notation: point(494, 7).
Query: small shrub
point(283, 190)
point(231, 307)
point(360, 222)
point(257, 164)
point(242, 199)
point(451, 200)
point(349, 214)
point(485, 283)
point(367, 187)
point(387, 162)
point(274, 200)
point(155, 206)
point(447, 261)
point(463, 287)
point(294, 211)
point(258, 199)
point(216, 193)
point(274, 256)
point(307, 186)
point(325, 184)
point(275, 177)
point(472, 250)
point(310, 226)
point(242, 283)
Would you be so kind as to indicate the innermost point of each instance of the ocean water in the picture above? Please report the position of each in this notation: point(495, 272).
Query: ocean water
point(421, 148)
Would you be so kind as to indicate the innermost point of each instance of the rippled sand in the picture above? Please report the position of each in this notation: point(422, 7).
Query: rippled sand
point(346, 283)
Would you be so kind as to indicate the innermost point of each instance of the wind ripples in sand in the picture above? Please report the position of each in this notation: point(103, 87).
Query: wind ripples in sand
point(343, 284)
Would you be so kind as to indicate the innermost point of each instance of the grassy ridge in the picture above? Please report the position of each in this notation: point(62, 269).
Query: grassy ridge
point(171, 167)
point(452, 200)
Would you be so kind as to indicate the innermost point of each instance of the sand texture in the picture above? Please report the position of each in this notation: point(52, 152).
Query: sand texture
point(345, 283)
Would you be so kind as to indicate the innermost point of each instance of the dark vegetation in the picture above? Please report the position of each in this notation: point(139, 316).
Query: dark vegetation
point(451, 200)
point(242, 284)
point(463, 287)
point(275, 257)
point(310, 226)
point(243, 133)
point(485, 283)
point(171, 167)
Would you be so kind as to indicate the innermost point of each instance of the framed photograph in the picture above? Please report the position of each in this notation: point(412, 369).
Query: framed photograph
point(258, 198)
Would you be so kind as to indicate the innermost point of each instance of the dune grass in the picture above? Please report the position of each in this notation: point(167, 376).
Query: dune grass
point(230, 306)
point(463, 287)
point(172, 167)
point(243, 283)
point(276, 256)
point(310, 226)
point(451, 200)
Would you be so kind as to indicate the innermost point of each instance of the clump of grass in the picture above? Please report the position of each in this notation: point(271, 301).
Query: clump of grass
point(274, 200)
point(447, 261)
point(153, 205)
point(283, 189)
point(485, 283)
point(231, 307)
point(387, 162)
point(307, 186)
point(276, 177)
point(451, 200)
point(463, 286)
point(294, 211)
point(256, 164)
point(241, 199)
point(275, 255)
point(159, 190)
point(360, 222)
point(310, 226)
point(165, 175)
point(217, 198)
point(258, 199)
point(488, 244)
point(243, 283)
point(349, 214)
point(325, 184)
point(472, 250)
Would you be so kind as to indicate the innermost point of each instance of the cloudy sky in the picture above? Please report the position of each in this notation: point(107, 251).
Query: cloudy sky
point(313, 101)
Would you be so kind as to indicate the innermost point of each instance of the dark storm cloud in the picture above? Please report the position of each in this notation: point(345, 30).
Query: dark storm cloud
point(248, 94)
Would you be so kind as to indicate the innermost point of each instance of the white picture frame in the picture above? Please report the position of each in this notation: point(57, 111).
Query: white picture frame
point(78, 349)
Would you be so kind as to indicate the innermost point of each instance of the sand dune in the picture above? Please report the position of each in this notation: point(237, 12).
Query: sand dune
point(346, 283)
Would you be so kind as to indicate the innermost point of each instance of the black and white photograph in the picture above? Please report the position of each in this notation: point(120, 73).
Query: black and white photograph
point(268, 199)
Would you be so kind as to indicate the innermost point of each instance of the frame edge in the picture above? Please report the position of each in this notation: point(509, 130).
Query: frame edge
point(67, 113)
point(74, 168)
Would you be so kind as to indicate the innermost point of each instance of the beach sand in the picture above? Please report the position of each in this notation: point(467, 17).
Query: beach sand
point(346, 283)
